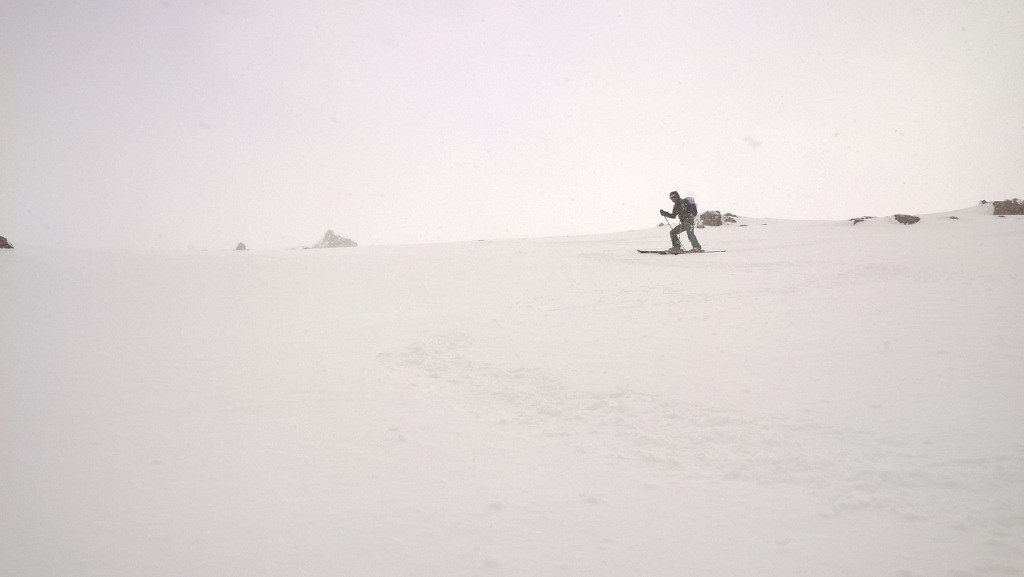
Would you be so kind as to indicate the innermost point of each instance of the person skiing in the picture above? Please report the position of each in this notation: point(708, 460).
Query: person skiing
point(685, 210)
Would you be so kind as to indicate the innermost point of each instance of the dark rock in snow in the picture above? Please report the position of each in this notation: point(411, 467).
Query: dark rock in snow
point(906, 218)
point(860, 219)
point(711, 218)
point(241, 246)
point(1004, 207)
point(331, 240)
point(4, 243)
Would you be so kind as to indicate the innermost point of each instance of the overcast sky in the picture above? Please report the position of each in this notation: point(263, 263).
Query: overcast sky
point(198, 124)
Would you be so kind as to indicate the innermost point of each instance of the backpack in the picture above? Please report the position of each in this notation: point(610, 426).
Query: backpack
point(691, 206)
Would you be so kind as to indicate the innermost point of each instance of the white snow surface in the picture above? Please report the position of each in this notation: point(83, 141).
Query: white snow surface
point(823, 399)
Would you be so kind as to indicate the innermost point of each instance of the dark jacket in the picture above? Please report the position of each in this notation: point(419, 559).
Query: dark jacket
point(682, 210)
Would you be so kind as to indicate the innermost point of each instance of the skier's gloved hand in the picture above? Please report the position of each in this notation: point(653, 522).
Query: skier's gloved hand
point(665, 214)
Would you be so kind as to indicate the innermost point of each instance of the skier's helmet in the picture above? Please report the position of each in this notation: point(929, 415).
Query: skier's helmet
point(673, 195)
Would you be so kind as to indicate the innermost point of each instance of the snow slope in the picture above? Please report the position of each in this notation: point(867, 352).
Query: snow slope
point(822, 399)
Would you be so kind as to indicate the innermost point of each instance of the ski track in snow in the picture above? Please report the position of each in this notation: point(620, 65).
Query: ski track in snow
point(662, 441)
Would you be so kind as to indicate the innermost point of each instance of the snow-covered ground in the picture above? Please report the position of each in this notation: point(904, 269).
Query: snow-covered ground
point(822, 399)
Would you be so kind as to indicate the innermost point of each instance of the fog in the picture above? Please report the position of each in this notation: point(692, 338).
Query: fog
point(175, 125)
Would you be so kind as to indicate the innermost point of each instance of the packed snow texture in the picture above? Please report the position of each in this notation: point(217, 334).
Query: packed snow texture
point(821, 399)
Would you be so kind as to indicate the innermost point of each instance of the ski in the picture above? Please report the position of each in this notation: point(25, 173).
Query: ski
point(667, 252)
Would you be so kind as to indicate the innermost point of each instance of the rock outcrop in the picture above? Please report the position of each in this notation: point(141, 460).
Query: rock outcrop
point(711, 218)
point(4, 243)
point(1005, 207)
point(906, 218)
point(241, 246)
point(331, 240)
point(860, 219)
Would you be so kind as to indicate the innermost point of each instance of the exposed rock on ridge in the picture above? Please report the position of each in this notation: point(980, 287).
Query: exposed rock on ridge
point(331, 240)
point(711, 218)
point(1007, 207)
point(906, 218)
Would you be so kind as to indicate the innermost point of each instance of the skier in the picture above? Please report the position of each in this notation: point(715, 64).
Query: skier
point(685, 210)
